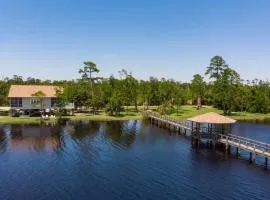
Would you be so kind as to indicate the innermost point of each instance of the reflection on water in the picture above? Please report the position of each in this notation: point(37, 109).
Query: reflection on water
point(3, 140)
point(122, 160)
point(123, 133)
point(35, 137)
point(82, 129)
point(263, 121)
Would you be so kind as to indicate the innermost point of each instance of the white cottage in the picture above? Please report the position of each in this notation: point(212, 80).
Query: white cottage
point(23, 97)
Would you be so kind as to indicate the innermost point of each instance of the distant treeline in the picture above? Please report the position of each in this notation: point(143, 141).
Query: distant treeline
point(225, 90)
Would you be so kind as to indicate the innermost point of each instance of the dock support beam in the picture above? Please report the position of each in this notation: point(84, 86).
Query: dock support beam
point(229, 149)
point(252, 157)
point(237, 152)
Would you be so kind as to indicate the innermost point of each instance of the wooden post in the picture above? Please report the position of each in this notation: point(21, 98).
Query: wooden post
point(198, 134)
point(210, 144)
point(254, 157)
point(237, 152)
point(229, 149)
point(226, 145)
point(222, 129)
point(266, 163)
point(254, 154)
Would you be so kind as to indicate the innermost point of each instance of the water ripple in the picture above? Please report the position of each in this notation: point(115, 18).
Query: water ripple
point(121, 160)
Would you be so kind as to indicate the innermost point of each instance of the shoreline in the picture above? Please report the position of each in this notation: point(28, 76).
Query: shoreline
point(5, 120)
point(184, 113)
point(37, 120)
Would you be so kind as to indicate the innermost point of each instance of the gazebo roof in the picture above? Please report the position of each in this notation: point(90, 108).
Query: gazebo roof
point(212, 118)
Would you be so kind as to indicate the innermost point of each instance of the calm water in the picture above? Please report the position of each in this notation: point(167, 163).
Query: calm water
point(123, 160)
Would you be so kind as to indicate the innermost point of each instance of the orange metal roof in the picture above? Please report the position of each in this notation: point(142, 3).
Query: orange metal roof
point(29, 90)
point(212, 118)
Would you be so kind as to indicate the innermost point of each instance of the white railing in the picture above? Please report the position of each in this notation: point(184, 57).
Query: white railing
point(184, 124)
point(217, 133)
point(247, 143)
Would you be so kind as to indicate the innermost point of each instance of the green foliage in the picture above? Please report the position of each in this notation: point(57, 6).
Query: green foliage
point(88, 69)
point(198, 88)
point(115, 104)
point(129, 88)
point(225, 91)
point(4, 87)
point(216, 67)
point(40, 95)
point(167, 108)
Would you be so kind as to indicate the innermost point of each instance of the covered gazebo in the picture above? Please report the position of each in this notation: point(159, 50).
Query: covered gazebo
point(204, 124)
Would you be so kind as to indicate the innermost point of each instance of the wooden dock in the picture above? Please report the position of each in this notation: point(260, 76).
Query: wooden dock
point(164, 120)
point(214, 136)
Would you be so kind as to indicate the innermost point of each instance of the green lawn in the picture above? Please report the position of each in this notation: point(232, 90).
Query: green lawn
point(22, 120)
point(190, 111)
point(79, 116)
point(184, 113)
point(250, 116)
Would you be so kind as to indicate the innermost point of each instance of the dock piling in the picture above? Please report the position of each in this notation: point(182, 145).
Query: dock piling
point(213, 136)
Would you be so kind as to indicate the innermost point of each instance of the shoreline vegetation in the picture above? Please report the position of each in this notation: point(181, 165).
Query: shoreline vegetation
point(106, 98)
point(184, 113)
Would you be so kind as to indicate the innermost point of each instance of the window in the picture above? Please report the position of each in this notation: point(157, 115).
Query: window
point(35, 102)
point(16, 102)
point(54, 102)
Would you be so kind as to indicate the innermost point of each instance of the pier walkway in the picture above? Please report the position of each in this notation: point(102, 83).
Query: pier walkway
point(197, 133)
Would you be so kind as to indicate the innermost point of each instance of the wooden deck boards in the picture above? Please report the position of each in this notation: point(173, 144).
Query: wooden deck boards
point(171, 122)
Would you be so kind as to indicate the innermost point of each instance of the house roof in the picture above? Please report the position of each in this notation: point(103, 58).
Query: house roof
point(212, 118)
point(29, 90)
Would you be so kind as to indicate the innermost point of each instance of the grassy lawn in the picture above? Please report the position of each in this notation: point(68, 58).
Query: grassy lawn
point(184, 113)
point(78, 116)
point(249, 116)
point(191, 111)
point(21, 120)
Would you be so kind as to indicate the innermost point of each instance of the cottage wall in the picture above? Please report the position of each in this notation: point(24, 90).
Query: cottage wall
point(26, 104)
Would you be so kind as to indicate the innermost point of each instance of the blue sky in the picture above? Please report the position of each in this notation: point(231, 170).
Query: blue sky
point(172, 39)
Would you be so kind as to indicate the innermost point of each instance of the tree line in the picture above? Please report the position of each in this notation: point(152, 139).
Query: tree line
point(224, 89)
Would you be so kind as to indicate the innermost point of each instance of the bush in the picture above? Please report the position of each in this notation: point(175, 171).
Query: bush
point(166, 108)
point(114, 107)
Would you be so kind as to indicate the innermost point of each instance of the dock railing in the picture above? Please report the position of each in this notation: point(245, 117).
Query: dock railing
point(243, 142)
point(184, 124)
point(235, 140)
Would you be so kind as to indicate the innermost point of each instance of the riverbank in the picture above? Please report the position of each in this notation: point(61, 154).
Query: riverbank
point(184, 113)
point(77, 117)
